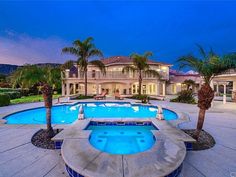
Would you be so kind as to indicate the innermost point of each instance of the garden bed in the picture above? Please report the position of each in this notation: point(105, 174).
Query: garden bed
point(205, 141)
point(41, 140)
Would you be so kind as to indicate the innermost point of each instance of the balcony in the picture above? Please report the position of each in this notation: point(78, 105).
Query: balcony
point(230, 71)
point(96, 75)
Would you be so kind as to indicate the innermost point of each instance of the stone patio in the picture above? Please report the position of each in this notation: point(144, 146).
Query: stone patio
point(21, 159)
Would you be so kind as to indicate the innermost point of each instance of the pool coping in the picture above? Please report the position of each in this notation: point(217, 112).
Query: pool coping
point(77, 138)
point(181, 117)
point(167, 129)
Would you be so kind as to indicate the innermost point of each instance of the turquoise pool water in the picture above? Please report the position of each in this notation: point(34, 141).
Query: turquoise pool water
point(67, 114)
point(122, 139)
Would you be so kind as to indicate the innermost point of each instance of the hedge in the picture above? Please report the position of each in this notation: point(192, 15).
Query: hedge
point(4, 100)
point(13, 95)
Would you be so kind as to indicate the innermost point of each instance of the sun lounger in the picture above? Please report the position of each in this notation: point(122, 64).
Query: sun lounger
point(100, 97)
point(118, 96)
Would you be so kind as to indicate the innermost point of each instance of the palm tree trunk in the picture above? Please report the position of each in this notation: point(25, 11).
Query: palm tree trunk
point(47, 96)
point(205, 97)
point(140, 83)
point(49, 127)
point(85, 83)
point(201, 118)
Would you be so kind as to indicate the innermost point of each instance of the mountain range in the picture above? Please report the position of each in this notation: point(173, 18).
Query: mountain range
point(7, 69)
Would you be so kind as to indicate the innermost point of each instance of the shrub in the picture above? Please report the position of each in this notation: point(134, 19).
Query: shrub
point(4, 100)
point(143, 98)
point(3, 90)
point(185, 96)
point(24, 92)
point(13, 95)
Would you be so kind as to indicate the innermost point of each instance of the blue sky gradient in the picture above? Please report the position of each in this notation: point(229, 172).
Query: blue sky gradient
point(33, 32)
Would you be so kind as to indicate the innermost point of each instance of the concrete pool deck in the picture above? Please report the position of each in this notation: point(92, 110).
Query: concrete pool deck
point(20, 158)
point(165, 156)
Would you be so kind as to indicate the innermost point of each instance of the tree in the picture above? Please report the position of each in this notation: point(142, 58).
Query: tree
point(2, 78)
point(189, 83)
point(67, 65)
point(208, 66)
point(84, 51)
point(46, 77)
point(140, 65)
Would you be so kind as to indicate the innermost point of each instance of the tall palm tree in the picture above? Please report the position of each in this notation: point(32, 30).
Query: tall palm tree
point(84, 51)
point(208, 66)
point(46, 77)
point(140, 65)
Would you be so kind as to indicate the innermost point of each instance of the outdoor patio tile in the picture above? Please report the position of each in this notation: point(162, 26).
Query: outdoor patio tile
point(41, 167)
point(190, 171)
point(207, 166)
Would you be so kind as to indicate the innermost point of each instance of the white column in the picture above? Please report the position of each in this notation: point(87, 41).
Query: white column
point(74, 88)
point(62, 89)
point(97, 88)
point(217, 88)
point(67, 89)
point(127, 88)
point(158, 88)
point(224, 96)
point(164, 88)
point(234, 91)
point(67, 73)
point(234, 85)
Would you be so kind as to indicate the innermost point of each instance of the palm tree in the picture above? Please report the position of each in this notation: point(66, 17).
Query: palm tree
point(67, 65)
point(140, 65)
point(46, 77)
point(208, 66)
point(189, 83)
point(84, 51)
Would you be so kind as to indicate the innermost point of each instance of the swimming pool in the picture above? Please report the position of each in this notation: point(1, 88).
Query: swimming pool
point(67, 114)
point(122, 139)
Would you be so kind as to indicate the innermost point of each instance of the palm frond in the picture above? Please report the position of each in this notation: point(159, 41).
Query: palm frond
point(67, 65)
point(147, 54)
point(201, 51)
point(70, 50)
point(88, 40)
point(210, 66)
point(95, 52)
point(140, 61)
point(153, 73)
point(83, 63)
point(128, 68)
point(78, 43)
point(189, 61)
point(100, 65)
point(212, 53)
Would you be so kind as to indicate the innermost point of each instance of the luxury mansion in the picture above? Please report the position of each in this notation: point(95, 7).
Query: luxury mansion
point(127, 83)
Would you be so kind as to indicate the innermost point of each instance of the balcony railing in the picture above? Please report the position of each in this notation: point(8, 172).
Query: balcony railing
point(230, 71)
point(118, 75)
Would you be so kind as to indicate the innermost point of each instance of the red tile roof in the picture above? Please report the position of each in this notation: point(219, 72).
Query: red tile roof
point(124, 59)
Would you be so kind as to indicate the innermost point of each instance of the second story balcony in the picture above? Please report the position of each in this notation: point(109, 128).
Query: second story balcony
point(97, 75)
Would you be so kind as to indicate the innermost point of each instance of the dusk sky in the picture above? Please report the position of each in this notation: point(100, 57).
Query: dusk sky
point(35, 32)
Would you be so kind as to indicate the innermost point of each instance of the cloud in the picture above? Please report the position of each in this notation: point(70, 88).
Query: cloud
point(22, 48)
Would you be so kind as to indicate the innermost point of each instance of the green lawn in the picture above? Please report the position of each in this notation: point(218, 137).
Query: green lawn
point(30, 99)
